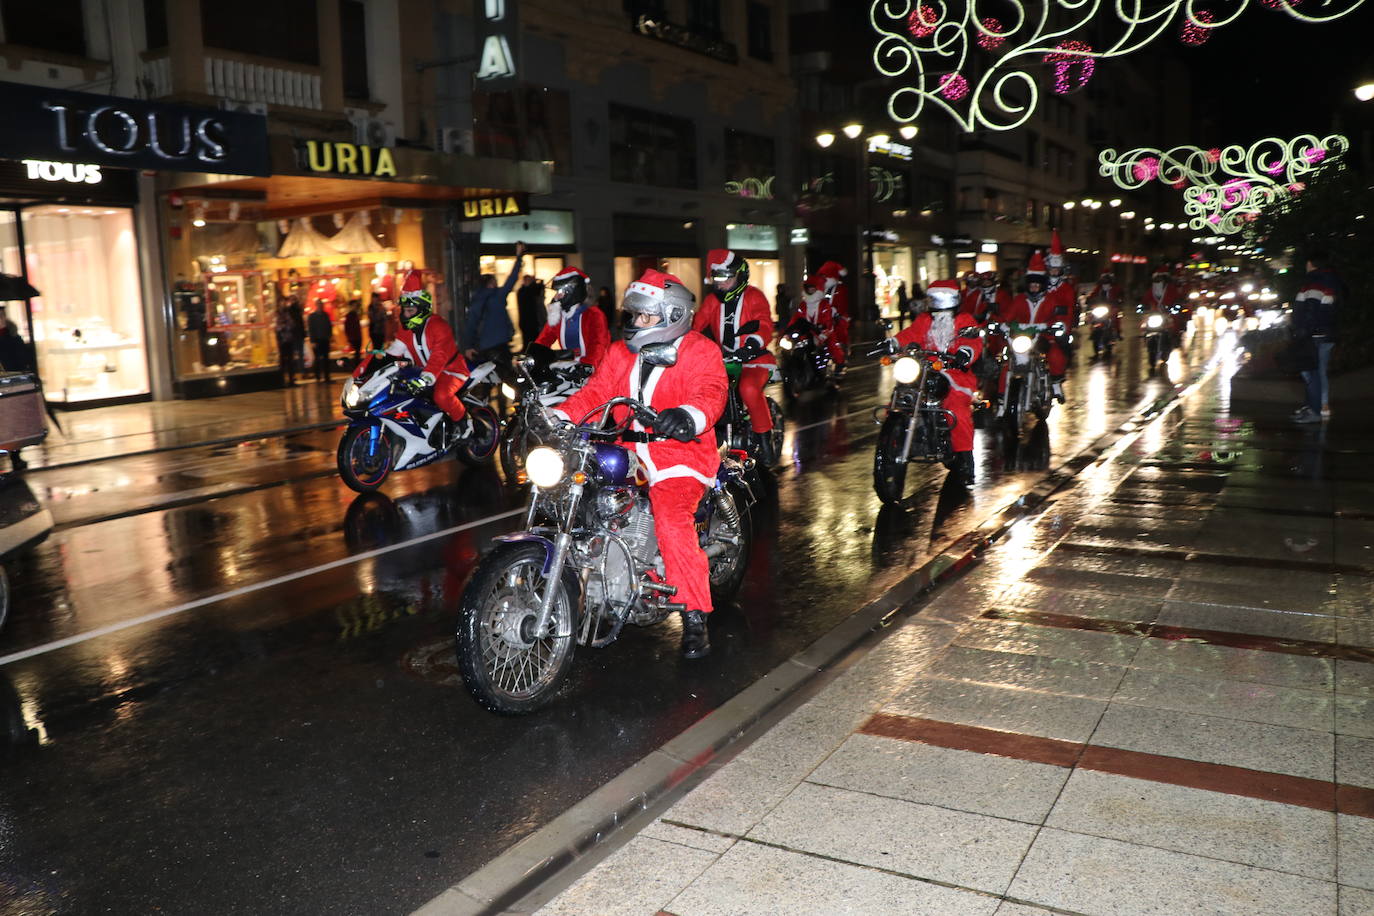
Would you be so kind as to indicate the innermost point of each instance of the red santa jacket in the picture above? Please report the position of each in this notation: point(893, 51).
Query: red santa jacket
point(583, 331)
point(1170, 296)
point(978, 304)
point(821, 313)
point(432, 348)
point(1110, 293)
point(839, 301)
point(922, 333)
point(1067, 292)
point(1047, 309)
point(749, 306)
point(696, 383)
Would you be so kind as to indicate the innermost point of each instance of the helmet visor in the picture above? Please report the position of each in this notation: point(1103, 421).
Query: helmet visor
point(638, 303)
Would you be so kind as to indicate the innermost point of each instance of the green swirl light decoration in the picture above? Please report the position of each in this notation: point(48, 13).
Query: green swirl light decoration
point(1223, 188)
point(983, 66)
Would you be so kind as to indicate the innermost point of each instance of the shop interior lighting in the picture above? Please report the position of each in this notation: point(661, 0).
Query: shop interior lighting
point(1114, 202)
point(824, 139)
point(880, 139)
point(1000, 64)
point(908, 131)
point(852, 130)
point(1069, 205)
point(198, 218)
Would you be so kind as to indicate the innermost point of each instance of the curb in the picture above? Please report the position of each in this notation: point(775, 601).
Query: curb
point(534, 860)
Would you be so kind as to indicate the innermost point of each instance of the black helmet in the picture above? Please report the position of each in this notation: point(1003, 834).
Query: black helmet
point(570, 288)
point(724, 265)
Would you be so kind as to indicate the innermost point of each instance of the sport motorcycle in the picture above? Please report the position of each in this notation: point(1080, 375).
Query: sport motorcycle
point(806, 362)
point(1102, 331)
point(586, 563)
point(392, 428)
point(1157, 328)
point(734, 430)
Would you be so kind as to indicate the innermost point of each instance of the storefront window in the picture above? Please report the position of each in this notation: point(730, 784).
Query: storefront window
point(544, 267)
point(88, 320)
point(688, 270)
point(9, 264)
point(892, 267)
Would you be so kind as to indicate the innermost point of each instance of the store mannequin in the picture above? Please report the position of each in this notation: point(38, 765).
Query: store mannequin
point(384, 283)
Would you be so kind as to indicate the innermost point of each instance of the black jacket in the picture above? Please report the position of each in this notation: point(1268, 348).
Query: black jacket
point(1317, 306)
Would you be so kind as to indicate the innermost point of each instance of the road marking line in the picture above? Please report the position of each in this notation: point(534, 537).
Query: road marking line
point(246, 589)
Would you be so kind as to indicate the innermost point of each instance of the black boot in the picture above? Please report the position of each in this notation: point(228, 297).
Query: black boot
point(696, 642)
point(767, 454)
point(964, 468)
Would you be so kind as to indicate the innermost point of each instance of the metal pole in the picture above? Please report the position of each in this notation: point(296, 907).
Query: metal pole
point(24, 273)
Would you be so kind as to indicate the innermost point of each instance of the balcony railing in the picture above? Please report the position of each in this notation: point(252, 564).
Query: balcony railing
point(240, 80)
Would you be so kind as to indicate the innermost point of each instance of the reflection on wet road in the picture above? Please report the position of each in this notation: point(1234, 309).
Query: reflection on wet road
point(291, 728)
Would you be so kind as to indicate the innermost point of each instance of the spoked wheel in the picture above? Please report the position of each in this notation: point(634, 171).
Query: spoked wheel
point(507, 666)
point(889, 477)
point(800, 376)
point(733, 541)
point(1011, 417)
point(775, 411)
point(515, 445)
point(480, 444)
point(363, 463)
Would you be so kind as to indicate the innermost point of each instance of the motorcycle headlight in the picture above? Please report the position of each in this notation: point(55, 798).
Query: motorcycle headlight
point(544, 466)
point(1100, 311)
point(785, 343)
point(906, 370)
point(508, 391)
point(351, 395)
point(1022, 343)
point(1154, 321)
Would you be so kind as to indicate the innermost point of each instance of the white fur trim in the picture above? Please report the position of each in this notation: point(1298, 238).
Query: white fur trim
point(647, 289)
point(698, 417)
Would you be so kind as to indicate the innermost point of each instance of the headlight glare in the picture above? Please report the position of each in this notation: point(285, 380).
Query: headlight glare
point(544, 466)
point(508, 391)
point(1154, 321)
point(1022, 343)
point(351, 394)
point(905, 370)
point(1100, 311)
point(785, 343)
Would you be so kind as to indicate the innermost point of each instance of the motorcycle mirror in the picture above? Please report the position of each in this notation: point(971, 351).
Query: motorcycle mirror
point(663, 353)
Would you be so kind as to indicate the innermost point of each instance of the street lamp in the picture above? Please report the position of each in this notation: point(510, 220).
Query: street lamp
point(863, 204)
point(1365, 91)
point(908, 131)
point(852, 129)
point(824, 139)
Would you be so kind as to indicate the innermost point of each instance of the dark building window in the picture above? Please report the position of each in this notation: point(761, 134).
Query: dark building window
point(637, 8)
point(353, 37)
point(279, 29)
point(759, 26)
point(750, 164)
point(704, 16)
point(50, 25)
point(155, 23)
point(527, 123)
point(652, 148)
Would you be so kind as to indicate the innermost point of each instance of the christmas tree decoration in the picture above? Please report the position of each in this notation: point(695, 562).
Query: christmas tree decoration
point(1224, 188)
point(920, 46)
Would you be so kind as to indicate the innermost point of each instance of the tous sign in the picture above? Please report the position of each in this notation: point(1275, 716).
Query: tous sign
point(62, 171)
point(114, 131)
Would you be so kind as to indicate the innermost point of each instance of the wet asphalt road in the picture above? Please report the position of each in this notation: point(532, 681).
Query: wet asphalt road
point(303, 745)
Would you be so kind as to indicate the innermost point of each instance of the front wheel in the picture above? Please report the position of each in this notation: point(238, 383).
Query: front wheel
point(364, 462)
point(514, 447)
point(889, 476)
point(508, 667)
point(797, 377)
point(732, 543)
point(478, 446)
point(775, 412)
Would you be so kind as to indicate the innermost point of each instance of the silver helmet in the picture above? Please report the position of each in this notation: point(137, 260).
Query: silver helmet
point(664, 295)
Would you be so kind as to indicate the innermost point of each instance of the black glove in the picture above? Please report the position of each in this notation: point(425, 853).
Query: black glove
point(676, 423)
point(961, 360)
point(749, 351)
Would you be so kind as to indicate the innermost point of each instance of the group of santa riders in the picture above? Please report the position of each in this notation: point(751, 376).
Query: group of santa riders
point(688, 388)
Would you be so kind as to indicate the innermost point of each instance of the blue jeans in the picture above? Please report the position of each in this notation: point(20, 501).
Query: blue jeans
point(1318, 390)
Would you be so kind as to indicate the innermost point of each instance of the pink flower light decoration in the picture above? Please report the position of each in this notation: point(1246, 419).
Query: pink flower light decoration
point(1191, 33)
point(1067, 56)
point(1179, 185)
point(954, 87)
point(1314, 154)
point(922, 21)
point(1214, 154)
point(994, 41)
point(1146, 169)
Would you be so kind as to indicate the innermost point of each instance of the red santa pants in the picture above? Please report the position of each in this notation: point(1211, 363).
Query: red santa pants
point(842, 330)
point(834, 347)
point(674, 502)
point(1057, 359)
point(446, 389)
point(960, 403)
point(751, 382)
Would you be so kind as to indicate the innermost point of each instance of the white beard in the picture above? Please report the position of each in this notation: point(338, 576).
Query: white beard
point(1158, 290)
point(941, 330)
point(813, 305)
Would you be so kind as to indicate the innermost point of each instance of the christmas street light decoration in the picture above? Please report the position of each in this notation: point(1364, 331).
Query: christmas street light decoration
point(1223, 188)
point(986, 71)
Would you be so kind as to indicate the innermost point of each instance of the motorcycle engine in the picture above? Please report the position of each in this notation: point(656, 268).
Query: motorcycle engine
point(627, 546)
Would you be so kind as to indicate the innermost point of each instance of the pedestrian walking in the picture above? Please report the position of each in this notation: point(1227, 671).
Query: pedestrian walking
point(297, 332)
point(376, 322)
point(353, 325)
point(606, 302)
point(321, 331)
point(783, 306)
point(529, 306)
point(1316, 310)
point(903, 300)
point(284, 324)
point(15, 353)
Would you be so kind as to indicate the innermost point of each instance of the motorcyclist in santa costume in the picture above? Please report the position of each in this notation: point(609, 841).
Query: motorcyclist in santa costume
point(817, 308)
point(1060, 283)
point(1109, 292)
point(837, 290)
point(986, 300)
point(574, 324)
point(663, 363)
point(1037, 306)
point(731, 305)
point(427, 341)
point(1166, 296)
point(940, 329)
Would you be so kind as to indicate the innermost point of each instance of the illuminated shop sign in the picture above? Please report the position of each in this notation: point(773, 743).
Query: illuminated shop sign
point(888, 147)
point(497, 30)
point(54, 125)
point(61, 171)
point(751, 237)
point(496, 205)
point(339, 158)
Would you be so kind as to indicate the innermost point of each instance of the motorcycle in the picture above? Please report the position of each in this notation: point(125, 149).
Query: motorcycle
point(734, 430)
point(1102, 332)
point(537, 386)
point(586, 563)
point(1028, 388)
point(806, 362)
point(1157, 327)
point(915, 426)
point(393, 429)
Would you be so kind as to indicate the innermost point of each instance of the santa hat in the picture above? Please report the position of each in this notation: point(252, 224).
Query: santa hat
point(411, 283)
point(722, 256)
point(944, 291)
point(1036, 265)
point(653, 283)
point(568, 273)
point(1162, 269)
point(1056, 258)
point(832, 269)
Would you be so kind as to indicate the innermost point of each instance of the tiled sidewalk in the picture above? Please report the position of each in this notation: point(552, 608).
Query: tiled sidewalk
point(1157, 696)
